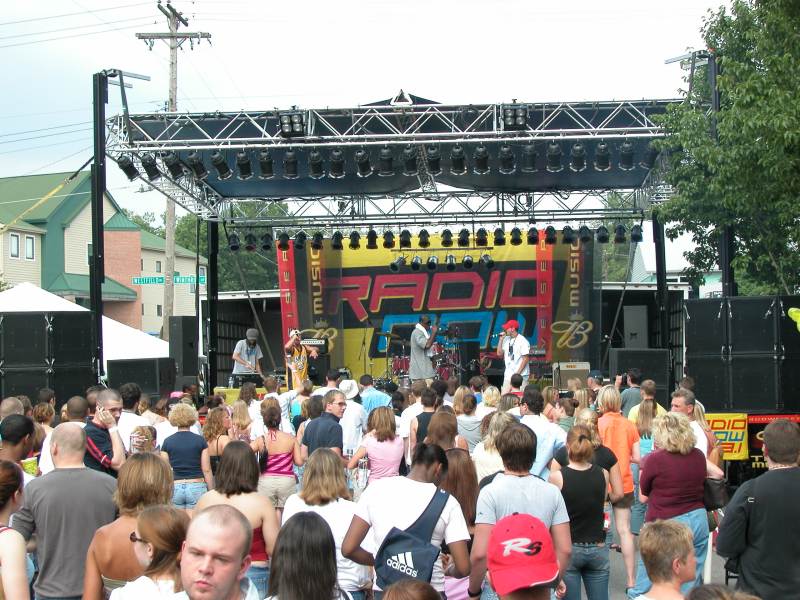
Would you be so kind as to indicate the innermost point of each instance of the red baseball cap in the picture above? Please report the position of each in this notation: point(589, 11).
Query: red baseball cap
point(521, 555)
point(511, 323)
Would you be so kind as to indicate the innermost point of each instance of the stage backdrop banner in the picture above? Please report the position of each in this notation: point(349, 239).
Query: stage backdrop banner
point(350, 295)
point(731, 431)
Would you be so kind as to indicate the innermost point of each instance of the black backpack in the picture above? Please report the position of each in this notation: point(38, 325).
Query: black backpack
point(409, 554)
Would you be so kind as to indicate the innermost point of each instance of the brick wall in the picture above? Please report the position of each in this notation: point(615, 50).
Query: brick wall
point(123, 256)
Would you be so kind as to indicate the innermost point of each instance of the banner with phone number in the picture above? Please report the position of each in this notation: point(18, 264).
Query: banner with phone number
point(731, 431)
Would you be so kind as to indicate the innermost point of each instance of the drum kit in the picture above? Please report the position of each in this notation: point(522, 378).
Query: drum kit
point(445, 357)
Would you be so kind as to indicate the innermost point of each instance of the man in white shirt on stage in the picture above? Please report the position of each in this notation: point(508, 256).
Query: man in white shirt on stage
point(513, 348)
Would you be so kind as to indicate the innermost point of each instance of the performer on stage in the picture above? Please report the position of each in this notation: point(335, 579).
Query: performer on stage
point(297, 359)
point(514, 349)
point(247, 354)
point(422, 338)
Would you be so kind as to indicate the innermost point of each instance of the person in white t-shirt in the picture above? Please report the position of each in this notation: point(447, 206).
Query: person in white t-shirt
point(683, 402)
point(129, 420)
point(77, 412)
point(398, 502)
point(513, 348)
point(413, 409)
point(354, 419)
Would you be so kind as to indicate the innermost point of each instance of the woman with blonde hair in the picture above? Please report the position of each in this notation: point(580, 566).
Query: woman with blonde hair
point(509, 403)
point(241, 422)
point(550, 395)
point(382, 446)
point(458, 398)
point(187, 454)
point(485, 455)
point(215, 432)
point(43, 414)
point(277, 481)
point(469, 423)
point(325, 493)
point(443, 432)
point(582, 398)
point(489, 400)
point(712, 443)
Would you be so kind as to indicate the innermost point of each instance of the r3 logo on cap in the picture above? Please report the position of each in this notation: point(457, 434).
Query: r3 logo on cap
point(521, 545)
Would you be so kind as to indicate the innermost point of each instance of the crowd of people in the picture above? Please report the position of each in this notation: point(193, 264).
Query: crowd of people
point(347, 492)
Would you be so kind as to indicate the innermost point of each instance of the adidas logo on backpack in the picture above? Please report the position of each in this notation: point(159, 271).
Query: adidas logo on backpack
point(403, 562)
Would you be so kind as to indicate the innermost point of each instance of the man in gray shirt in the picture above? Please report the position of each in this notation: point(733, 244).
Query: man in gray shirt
point(64, 509)
point(247, 354)
point(632, 395)
point(422, 339)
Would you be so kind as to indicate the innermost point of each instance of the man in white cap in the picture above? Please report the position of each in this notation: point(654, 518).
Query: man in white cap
point(513, 348)
point(297, 359)
point(354, 420)
point(247, 355)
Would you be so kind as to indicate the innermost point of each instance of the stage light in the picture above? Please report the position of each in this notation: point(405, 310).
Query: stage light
point(554, 158)
point(410, 161)
point(265, 165)
point(126, 164)
point(567, 235)
point(316, 241)
point(636, 234)
point(487, 261)
point(355, 240)
point(336, 170)
point(195, 163)
point(447, 238)
point(529, 157)
point(602, 157)
point(416, 263)
point(481, 160)
point(619, 234)
point(398, 262)
point(602, 234)
point(243, 166)
point(467, 262)
point(386, 163)
point(585, 234)
point(283, 241)
point(533, 236)
point(434, 158)
point(515, 117)
point(463, 238)
point(221, 165)
point(424, 239)
point(267, 242)
point(316, 169)
point(233, 242)
point(372, 240)
point(300, 240)
point(481, 237)
point(626, 156)
point(550, 236)
point(499, 237)
point(577, 158)
point(516, 237)
point(458, 161)
point(450, 262)
point(150, 167)
point(292, 124)
point(362, 162)
point(250, 242)
point(388, 239)
point(507, 159)
point(174, 165)
point(433, 263)
point(405, 239)
point(648, 160)
point(290, 164)
point(336, 240)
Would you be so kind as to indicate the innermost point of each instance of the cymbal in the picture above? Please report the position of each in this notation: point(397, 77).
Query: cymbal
point(403, 343)
point(391, 336)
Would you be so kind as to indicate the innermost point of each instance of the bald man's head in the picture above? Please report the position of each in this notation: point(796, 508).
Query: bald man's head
point(11, 406)
point(77, 408)
point(68, 442)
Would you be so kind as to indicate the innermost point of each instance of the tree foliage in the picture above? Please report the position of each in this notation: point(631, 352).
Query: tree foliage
point(749, 178)
point(147, 221)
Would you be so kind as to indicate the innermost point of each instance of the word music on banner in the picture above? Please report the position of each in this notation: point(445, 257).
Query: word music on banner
point(731, 431)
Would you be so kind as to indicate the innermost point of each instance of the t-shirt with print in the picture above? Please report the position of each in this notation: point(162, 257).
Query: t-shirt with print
point(398, 502)
point(509, 494)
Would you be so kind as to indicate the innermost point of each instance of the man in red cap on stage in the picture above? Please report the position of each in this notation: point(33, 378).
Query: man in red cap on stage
point(513, 348)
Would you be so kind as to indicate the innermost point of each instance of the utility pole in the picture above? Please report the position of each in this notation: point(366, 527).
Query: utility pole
point(174, 19)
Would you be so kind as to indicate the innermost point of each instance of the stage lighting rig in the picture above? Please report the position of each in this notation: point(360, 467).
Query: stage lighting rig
point(463, 238)
point(336, 241)
point(636, 234)
point(424, 238)
point(447, 239)
point(602, 157)
point(450, 262)
point(336, 170)
point(554, 158)
point(602, 234)
point(487, 261)
point(372, 240)
point(567, 235)
point(507, 159)
point(481, 237)
point(250, 242)
point(233, 242)
point(458, 161)
point(550, 236)
point(388, 239)
point(533, 236)
point(433, 263)
point(300, 240)
point(405, 239)
point(267, 242)
point(243, 166)
point(529, 156)
point(316, 241)
point(355, 240)
point(221, 165)
point(499, 237)
point(577, 158)
point(410, 162)
point(266, 165)
point(515, 117)
point(362, 163)
point(649, 159)
point(292, 124)
point(126, 164)
point(195, 162)
point(467, 262)
point(150, 167)
point(173, 164)
point(434, 158)
point(397, 263)
point(516, 237)
point(481, 160)
point(626, 156)
point(619, 234)
point(316, 169)
point(585, 234)
point(283, 241)
point(386, 163)
point(416, 263)
point(290, 164)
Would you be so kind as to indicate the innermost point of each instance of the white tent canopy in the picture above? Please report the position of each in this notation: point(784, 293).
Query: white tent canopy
point(119, 341)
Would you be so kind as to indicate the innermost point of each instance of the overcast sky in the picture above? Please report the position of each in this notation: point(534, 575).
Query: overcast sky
point(317, 53)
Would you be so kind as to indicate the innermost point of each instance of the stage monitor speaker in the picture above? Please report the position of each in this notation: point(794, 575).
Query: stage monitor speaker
point(19, 381)
point(753, 325)
point(653, 363)
point(153, 375)
point(712, 387)
point(71, 339)
point(635, 326)
point(564, 371)
point(71, 381)
point(706, 326)
point(183, 334)
point(789, 329)
point(23, 340)
point(317, 369)
point(790, 384)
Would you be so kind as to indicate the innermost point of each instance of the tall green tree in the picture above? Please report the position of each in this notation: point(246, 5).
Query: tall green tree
point(748, 178)
point(147, 221)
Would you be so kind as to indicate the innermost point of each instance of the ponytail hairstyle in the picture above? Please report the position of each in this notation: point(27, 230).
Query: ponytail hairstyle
point(429, 454)
point(579, 444)
point(588, 418)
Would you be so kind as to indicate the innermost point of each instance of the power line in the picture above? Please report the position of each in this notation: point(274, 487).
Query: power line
point(83, 12)
point(40, 146)
point(55, 162)
point(47, 135)
point(45, 129)
point(66, 37)
point(47, 31)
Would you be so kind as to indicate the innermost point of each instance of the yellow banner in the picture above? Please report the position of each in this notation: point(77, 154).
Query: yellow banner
point(731, 431)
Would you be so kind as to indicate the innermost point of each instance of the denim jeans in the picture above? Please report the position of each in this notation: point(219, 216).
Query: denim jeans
point(697, 521)
point(358, 595)
point(260, 578)
point(589, 563)
point(638, 509)
point(186, 495)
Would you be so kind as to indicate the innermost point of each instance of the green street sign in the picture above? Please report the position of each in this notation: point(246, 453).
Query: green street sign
point(190, 279)
point(148, 280)
point(159, 280)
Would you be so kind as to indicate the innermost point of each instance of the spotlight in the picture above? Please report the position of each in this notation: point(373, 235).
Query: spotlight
point(388, 239)
point(619, 234)
point(300, 240)
point(585, 234)
point(529, 157)
point(463, 238)
point(362, 162)
point(221, 165)
point(424, 239)
point(316, 241)
point(458, 161)
point(602, 157)
point(372, 240)
point(577, 158)
point(450, 262)
point(507, 158)
point(481, 237)
point(243, 166)
point(533, 236)
point(336, 240)
point(648, 161)
point(355, 240)
point(467, 262)
point(336, 170)
point(405, 239)
point(626, 156)
point(233, 242)
point(416, 263)
point(516, 237)
point(410, 161)
point(602, 234)
point(487, 261)
point(195, 163)
point(292, 124)
point(386, 163)
point(151, 167)
point(398, 262)
point(290, 164)
point(266, 242)
point(515, 117)
point(550, 237)
point(567, 235)
point(554, 158)
point(283, 241)
point(433, 263)
point(447, 239)
point(636, 234)
point(250, 242)
point(434, 158)
point(265, 165)
point(499, 237)
point(481, 159)
point(126, 164)
point(174, 165)
point(315, 167)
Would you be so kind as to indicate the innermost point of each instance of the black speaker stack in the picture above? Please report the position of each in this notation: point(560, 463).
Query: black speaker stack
point(155, 376)
point(653, 363)
point(744, 353)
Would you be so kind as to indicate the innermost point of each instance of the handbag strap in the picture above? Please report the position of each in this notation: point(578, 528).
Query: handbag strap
point(423, 527)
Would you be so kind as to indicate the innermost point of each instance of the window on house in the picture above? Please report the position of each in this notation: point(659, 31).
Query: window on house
point(14, 245)
point(89, 253)
point(30, 247)
point(158, 310)
point(192, 288)
point(142, 308)
point(158, 266)
point(141, 264)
